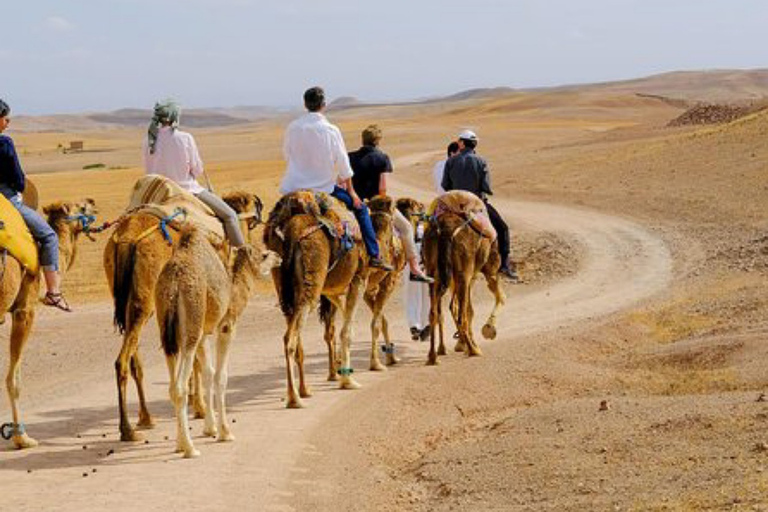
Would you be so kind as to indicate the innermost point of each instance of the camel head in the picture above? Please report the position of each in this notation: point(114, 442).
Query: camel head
point(79, 216)
point(248, 258)
point(384, 204)
point(411, 209)
point(247, 206)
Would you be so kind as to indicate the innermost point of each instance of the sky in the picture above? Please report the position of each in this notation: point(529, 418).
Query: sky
point(65, 56)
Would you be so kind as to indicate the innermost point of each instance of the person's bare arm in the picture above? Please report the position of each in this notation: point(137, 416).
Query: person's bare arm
point(383, 184)
point(356, 201)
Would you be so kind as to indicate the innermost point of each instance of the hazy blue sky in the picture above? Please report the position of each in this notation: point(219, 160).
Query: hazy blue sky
point(75, 55)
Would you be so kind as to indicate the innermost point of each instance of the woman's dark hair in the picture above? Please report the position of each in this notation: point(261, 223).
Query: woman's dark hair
point(453, 147)
point(314, 99)
point(4, 109)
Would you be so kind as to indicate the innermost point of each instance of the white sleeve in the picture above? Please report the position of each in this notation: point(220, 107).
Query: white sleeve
point(195, 162)
point(340, 156)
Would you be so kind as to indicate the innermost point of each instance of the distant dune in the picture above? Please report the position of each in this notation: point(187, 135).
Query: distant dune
point(680, 88)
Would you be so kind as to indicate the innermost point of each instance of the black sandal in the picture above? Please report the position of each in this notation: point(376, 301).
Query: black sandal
point(56, 300)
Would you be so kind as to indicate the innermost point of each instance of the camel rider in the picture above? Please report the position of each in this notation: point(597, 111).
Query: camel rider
point(317, 160)
point(173, 153)
point(468, 171)
point(371, 166)
point(12, 183)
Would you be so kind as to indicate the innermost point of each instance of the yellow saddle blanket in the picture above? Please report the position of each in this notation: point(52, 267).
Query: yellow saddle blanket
point(162, 197)
point(15, 236)
point(467, 206)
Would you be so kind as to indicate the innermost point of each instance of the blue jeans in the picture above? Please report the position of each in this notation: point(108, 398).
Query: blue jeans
point(43, 234)
point(363, 218)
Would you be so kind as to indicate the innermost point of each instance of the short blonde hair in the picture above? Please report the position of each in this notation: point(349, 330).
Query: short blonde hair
point(371, 135)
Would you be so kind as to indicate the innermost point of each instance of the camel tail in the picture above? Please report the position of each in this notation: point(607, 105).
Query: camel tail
point(125, 259)
point(444, 262)
point(287, 286)
point(325, 311)
point(170, 328)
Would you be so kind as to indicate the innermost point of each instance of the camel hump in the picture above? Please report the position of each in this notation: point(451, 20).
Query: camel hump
point(162, 197)
point(467, 206)
point(326, 209)
point(15, 236)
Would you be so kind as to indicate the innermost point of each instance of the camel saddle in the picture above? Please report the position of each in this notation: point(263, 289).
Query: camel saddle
point(467, 206)
point(16, 238)
point(162, 197)
point(331, 214)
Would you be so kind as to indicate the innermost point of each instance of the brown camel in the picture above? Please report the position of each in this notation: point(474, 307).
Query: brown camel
point(133, 258)
point(195, 297)
point(314, 265)
point(19, 292)
point(381, 283)
point(455, 252)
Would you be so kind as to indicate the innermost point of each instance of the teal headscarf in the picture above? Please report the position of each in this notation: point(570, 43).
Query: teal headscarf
point(166, 113)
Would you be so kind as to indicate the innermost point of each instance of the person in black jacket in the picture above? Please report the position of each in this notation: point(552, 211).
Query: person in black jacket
point(12, 183)
point(468, 171)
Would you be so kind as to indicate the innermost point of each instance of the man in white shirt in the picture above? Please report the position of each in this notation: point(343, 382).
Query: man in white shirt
point(437, 171)
point(317, 160)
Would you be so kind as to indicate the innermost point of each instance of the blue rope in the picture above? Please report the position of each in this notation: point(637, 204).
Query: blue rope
point(164, 223)
point(85, 220)
point(388, 349)
point(345, 372)
point(8, 430)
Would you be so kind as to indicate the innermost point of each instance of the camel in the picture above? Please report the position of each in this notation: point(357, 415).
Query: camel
point(455, 252)
point(314, 265)
point(19, 292)
point(133, 258)
point(195, 297)
point(380, 283)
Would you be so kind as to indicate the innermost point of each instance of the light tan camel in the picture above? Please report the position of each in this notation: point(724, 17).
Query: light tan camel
point(195, 297)
point(381, 283)
point(19, 292)
point(455, 252)
point(313, 265)
point(133, 258)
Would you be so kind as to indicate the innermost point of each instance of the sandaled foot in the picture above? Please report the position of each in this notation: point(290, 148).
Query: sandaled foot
point(421, 278)
point(56, 300)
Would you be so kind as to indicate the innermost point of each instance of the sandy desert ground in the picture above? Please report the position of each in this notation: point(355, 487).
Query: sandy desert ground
point(645, 254)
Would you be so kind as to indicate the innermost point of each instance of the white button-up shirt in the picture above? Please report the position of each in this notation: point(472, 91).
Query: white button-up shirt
point(316, 155)
point(437, 176)
point(175, 157)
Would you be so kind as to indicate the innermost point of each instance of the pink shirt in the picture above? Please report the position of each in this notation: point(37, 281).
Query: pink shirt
point(175, 157)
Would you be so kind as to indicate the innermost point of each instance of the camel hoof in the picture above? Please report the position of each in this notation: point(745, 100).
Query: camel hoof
point(131, 436)
point(460, 347)
point(225, 437)
point(489, 332)
point(198, 415)
point(306, 392)
point(24, 442)
point(392, 360)
point(376, 366)
point(472, 352)
point(211, 432)
point(432, 361)
point(332, 377)
point(349, 383)
point(145, 423)
point(441, 350)
point(191, 454)
point(296, 403)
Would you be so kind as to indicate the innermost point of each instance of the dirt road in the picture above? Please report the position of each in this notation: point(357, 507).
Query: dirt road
point(276, 462)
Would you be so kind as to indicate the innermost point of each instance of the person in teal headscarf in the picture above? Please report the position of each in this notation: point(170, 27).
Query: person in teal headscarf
point(173, 153)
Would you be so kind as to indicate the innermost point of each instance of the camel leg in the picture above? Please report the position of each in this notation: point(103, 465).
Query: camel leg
point(463, 295)
point(330, 341)
point(392, 359)
point(290, 344)
point(206, 365)
point(375, 365)
point(223, 343)
point(492, 280)
point(137, 372)
point(179, 395)
point(435, 320)
point(350, 305)
point(304, 390)
point(196, 392)
point(136, 320)
point(22, 325)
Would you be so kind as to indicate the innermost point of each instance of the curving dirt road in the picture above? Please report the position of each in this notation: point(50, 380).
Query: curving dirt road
point(277, 460)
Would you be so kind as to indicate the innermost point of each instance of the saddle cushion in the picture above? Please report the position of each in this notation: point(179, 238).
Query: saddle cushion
point(326, 209)
point(15, 236)
point(467, 206)
point(161, 197)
